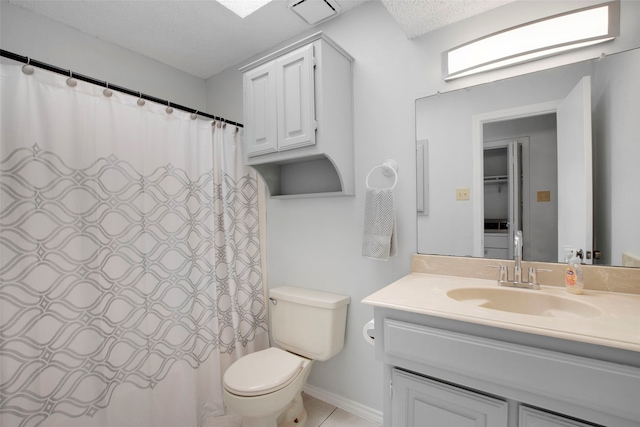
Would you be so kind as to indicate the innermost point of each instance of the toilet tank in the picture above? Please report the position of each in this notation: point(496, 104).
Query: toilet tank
point(307, 322)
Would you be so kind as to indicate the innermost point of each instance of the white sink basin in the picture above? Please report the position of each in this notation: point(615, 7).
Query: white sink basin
point(524, 301)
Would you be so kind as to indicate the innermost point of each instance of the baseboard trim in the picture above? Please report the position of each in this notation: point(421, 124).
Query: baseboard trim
point(346, 404)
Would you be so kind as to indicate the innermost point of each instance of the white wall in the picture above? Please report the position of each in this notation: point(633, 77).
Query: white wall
point(315, 243)
point(27, 34)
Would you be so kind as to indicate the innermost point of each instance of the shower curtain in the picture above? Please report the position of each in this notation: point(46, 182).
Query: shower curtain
point(130, 259)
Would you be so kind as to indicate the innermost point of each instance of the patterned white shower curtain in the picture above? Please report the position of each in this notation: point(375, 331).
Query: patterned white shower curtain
point(130, 260)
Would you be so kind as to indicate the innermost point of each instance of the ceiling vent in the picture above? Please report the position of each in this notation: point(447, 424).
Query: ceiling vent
point(314, 12)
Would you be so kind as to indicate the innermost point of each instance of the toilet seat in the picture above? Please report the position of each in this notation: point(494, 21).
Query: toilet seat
point(262, 372)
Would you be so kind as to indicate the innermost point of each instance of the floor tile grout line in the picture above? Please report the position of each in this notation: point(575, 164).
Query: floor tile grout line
point(335, 408)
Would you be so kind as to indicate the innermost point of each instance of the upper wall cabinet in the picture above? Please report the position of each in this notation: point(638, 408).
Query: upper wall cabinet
point(298, 115)
point(280, 104)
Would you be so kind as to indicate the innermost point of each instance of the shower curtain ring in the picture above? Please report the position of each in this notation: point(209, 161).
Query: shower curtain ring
point(169, 110)
point(28, 68)
point(107, 92)
point(194, 115)
point(71, 81)
point(140, 100)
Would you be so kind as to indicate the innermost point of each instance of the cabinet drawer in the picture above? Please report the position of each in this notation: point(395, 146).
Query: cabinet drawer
point(496, 253)
point(495, 240)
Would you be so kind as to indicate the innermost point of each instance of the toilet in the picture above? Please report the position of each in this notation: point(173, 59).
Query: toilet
point(265, 387)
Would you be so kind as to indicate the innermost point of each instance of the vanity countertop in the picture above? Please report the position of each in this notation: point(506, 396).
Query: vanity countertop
point(617, 326)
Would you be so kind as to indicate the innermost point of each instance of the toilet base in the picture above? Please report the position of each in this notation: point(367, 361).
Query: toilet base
point(301, 421)
point(295, 415)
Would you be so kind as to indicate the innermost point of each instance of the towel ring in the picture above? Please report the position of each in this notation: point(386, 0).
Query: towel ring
point(388, 167)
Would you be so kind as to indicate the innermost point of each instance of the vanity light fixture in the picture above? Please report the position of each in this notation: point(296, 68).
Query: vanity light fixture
point(534, 40)
point(243, 8)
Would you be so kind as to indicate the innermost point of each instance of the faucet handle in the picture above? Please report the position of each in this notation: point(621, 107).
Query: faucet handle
point(503, 272)
point(533, 275)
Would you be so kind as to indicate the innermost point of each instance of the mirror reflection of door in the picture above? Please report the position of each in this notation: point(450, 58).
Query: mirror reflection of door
point(503, 195)
point(556, 204)
point(575, 172)
point(526, 149)
point(558, 212)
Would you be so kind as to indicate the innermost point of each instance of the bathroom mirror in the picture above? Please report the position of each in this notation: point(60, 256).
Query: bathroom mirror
point(451, 162)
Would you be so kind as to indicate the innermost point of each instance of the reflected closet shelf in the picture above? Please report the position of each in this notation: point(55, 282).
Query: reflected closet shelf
point(496, 179)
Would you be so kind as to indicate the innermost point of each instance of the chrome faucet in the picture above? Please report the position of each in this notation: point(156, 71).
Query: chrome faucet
point(517, 256)
point(503, 279)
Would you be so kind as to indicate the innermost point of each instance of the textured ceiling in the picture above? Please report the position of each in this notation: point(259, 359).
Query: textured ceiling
point(202, 38)
point(418, 17)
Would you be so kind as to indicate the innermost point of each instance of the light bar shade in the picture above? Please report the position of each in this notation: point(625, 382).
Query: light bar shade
point(537, 39)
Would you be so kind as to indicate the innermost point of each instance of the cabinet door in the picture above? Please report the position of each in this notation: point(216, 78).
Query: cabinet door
point(261, 131)
point(421, 402)
point(530, 417)
point(296, 99)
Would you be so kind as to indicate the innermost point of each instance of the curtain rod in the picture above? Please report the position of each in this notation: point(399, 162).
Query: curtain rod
point(53, 68)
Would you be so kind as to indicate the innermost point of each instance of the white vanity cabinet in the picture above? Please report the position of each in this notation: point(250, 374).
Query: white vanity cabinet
point(443, 372)
point(298, 118)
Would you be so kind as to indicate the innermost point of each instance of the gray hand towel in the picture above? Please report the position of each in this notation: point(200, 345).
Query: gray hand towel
point(379, 240)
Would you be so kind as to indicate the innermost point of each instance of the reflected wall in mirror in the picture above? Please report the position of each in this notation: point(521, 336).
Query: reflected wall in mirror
point(456, 160)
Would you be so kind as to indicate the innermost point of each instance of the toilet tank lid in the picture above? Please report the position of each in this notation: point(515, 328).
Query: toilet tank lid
point(309, 297)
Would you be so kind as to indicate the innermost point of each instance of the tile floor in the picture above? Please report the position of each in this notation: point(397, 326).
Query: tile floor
point(319, 413)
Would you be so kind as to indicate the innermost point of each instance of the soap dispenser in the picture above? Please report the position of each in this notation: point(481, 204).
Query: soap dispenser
point(573, 278)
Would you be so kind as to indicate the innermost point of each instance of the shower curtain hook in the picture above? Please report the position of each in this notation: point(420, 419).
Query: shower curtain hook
point(107, 92)
point(28, 68)
point(194, 115)
point(169, 110)
point(140, 100)
point(71, 81)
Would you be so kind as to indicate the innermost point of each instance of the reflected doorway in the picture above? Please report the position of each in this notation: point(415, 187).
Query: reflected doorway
point(520, 187)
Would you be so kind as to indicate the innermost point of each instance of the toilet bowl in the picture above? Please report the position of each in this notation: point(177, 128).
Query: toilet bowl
point(265, 387)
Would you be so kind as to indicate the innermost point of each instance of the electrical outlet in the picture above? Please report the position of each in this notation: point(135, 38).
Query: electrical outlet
point(462, 194)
